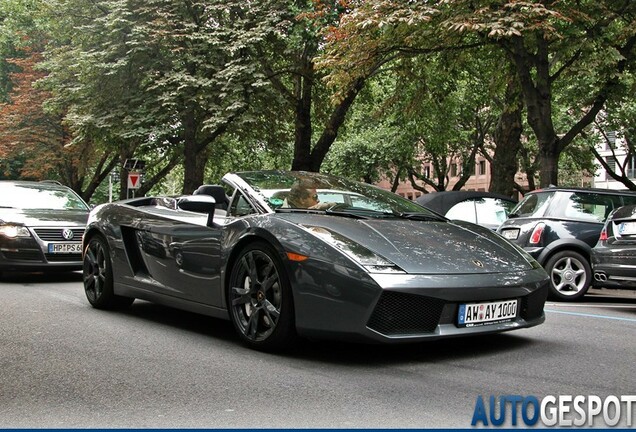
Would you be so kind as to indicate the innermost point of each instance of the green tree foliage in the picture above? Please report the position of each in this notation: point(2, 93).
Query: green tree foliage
point(570, 53)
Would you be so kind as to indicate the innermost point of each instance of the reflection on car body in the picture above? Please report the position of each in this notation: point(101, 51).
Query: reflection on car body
point(41, 226)
point(372, 267)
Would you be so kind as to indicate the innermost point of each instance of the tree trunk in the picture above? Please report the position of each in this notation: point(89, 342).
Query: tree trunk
point(302, 124)
point(533, 71)
point(193, 163)
point(507, 137)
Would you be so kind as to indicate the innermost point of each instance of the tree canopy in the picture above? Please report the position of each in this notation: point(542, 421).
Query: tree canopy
point(365, 88)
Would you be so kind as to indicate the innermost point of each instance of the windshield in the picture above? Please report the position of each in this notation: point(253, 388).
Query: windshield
point(304, 190)
point(34, 196)
point(532, 205)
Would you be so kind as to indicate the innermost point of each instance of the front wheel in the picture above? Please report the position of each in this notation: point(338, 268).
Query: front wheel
point(570, 275)
point(260, 301)
point(98, 276)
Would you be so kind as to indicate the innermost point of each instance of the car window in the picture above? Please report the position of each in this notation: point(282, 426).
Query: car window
point(331, 197)
point(589, 207)
point(627, 200)
point(241, 206)
point(533, 205)
point(29, 196)
point(484, 210)
point(464, 210)
point(492, 211)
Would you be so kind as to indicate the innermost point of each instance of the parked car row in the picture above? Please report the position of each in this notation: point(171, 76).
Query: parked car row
point(582, 237)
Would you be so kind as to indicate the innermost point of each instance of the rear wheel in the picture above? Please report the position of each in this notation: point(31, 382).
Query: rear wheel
point(570, 275)
point(260, 301)
point(98, 276)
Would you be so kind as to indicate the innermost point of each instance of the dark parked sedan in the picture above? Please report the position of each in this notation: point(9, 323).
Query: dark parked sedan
point(41, 226)
point(614, 256)
point(386, 270)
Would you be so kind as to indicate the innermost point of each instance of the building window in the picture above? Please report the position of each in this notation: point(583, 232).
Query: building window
point(427, 171)
point(453, 170)
point(482, 167)
point(611, 140)
point(611, 163)
point(630, 167)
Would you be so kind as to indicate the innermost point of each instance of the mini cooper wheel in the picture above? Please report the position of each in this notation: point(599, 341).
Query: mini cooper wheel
point(98, 276)
point(570, 275)
point(259, 299)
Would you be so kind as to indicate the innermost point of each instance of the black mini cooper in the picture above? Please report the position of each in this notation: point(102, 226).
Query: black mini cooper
point(559, 227)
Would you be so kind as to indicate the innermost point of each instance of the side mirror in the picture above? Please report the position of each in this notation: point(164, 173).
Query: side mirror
point(199, 204)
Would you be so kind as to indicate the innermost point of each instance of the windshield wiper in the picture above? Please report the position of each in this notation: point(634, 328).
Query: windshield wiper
point(418, 216)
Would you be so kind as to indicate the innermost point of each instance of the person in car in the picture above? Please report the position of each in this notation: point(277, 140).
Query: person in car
point(303, 194)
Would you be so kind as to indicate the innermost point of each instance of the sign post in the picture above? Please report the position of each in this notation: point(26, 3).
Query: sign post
point(135, 168)
point(134, 180)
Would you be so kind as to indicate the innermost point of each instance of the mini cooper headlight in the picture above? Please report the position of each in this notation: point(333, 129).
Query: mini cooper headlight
point(13, 231)
point(371, 261)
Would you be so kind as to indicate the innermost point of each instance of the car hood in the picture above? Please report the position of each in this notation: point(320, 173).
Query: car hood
point(428, 247)
point(44, 217)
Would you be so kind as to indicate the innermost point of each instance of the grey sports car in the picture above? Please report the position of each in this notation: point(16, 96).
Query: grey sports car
point(366, 266)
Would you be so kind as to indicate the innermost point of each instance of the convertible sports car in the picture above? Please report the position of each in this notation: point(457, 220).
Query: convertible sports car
point(370, 266)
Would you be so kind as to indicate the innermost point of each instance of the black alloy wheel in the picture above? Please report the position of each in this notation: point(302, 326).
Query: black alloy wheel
point(98, 276)
point(260, 300)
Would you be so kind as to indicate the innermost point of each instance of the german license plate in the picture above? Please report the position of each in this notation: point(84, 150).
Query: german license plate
point(65, 248)
point(474, 314)
point(510, 234)
point(627, 228)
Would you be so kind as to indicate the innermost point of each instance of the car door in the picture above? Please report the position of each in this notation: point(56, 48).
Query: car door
point(182, 256)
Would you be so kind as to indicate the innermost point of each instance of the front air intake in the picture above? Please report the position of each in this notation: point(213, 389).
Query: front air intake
point(398, 313)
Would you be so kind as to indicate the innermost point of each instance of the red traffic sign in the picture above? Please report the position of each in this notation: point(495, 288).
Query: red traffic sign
point(134, 180)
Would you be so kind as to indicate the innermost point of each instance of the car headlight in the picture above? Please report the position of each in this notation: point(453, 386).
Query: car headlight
point(371, 261)
point(13, 231)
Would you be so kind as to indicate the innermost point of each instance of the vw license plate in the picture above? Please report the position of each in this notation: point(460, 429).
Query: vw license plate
point(65, 248)
point(474, 314)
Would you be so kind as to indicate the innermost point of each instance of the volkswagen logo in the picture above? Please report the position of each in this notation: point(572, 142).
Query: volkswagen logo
point(67, 233)
point(478, 263)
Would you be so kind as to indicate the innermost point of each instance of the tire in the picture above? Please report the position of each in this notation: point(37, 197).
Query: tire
point(260, 301)
point(98, 276)
point(570, 275)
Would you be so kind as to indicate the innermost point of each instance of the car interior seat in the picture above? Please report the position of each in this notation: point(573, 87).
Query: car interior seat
point(215, 191)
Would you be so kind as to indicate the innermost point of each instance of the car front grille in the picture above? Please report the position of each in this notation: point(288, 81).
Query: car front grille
point(55, 234)
point(405, 314)
point(23, 255)
point(72, 257)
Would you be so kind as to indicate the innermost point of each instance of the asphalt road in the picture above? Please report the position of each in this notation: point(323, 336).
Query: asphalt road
point(66, 365)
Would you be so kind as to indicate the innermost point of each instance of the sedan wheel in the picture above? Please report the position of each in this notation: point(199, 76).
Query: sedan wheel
point(570, 275)
point(98, 276)
point(259, 299)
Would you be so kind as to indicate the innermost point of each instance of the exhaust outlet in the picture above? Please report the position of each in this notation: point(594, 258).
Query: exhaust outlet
point(601, 277)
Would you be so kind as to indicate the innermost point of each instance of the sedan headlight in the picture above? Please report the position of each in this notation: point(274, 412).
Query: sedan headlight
point(371, 261)
point(13, 231)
